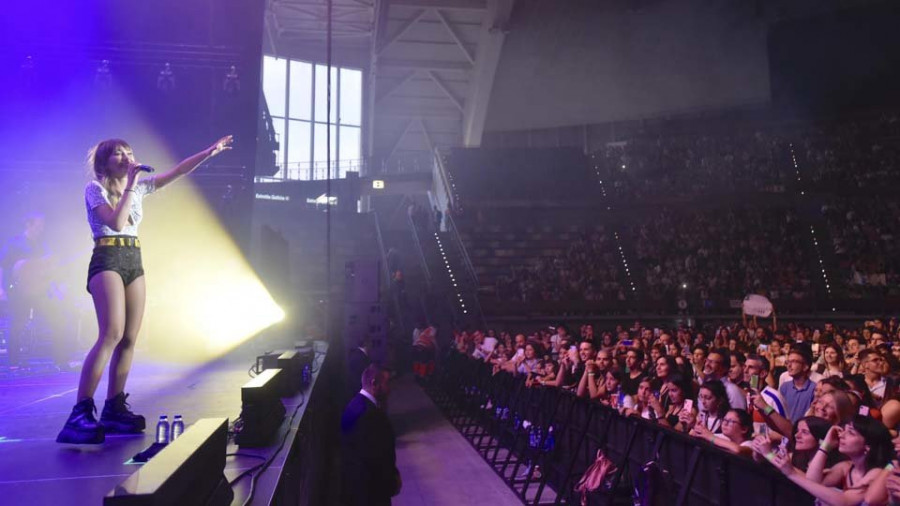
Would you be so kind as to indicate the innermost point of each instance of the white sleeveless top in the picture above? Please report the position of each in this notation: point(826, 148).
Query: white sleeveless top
point(96, 195)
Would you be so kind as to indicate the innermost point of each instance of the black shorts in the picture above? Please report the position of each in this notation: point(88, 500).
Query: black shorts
point(123, 259)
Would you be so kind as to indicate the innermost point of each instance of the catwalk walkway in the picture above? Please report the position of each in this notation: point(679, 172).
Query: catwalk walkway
point(437, 464)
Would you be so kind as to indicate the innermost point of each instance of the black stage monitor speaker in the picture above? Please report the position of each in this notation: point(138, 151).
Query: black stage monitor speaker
point(291, 366)
point(262, 411)
point(189, 470)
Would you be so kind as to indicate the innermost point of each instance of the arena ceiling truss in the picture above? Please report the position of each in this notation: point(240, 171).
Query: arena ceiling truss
point(430, 65)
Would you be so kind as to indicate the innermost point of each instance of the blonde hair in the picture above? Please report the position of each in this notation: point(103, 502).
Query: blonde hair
point(98, 156)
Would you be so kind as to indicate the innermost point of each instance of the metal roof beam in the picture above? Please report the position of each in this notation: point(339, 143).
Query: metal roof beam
point(427, 135)
point(478, 5)
point(396, 87)
point(403, 29)
point(419, 112)
point(459, 42)
point(400, 138)
point(443, 66)
point(321, 3)
point(437, 80)
point(490, 45)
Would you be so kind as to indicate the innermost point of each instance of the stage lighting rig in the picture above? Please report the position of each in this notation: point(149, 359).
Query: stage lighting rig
point(232, 83)
point(165, 82)
point(27, 70)
point(103, 76)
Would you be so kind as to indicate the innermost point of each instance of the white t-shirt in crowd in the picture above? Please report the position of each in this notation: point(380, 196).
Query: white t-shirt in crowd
point(486, 347)
point(554, 342)
point(878, 389)
point(736, 396)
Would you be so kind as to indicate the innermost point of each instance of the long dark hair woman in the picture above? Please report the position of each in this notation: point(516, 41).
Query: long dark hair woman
point(116, 283)
point(713, 404)
point(808, 431)
point(864, 442)
point(678, 390)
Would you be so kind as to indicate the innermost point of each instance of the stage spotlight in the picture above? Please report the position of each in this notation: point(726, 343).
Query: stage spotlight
point(165, 82)
point(27, 71)
point(232, 83)
point(103, 76)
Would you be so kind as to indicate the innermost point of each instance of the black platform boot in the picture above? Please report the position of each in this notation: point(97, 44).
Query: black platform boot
point(82, 427)
point(116, 418)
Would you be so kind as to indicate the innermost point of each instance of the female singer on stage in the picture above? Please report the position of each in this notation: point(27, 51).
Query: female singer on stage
point(116, 283)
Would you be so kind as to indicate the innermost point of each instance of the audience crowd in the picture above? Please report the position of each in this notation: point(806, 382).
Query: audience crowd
point(856, 154)
point(588, 270)
point(820, 404)
point(721, 255)
point(706, 258)
point(864, 235)
point(708, 255)
point(863, 154)
point(687, 166)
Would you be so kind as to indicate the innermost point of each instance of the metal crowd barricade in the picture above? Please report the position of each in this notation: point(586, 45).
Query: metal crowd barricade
point(510, 426)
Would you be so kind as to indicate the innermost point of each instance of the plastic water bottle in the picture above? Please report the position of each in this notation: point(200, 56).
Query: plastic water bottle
point(549, 440)
point(532, 437)
point(177, 427)
point(162, 430)
point(306, 375)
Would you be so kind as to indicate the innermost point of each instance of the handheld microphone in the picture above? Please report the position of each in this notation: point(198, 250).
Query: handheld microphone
point(146, 168)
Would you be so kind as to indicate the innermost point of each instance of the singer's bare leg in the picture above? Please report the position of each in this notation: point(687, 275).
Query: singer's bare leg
point(108, 292)
point(120, 365)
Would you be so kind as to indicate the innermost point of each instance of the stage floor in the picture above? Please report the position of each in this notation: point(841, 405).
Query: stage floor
point(35, 470)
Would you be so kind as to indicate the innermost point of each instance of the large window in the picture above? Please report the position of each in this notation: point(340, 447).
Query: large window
point(297, 95)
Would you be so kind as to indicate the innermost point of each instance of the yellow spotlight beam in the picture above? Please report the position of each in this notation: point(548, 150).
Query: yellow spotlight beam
point(203, 296)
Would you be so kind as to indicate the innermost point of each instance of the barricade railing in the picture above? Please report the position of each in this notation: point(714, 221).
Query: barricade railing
point(540, 441)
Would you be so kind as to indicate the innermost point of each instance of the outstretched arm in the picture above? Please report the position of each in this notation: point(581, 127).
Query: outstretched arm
point(190, 163)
